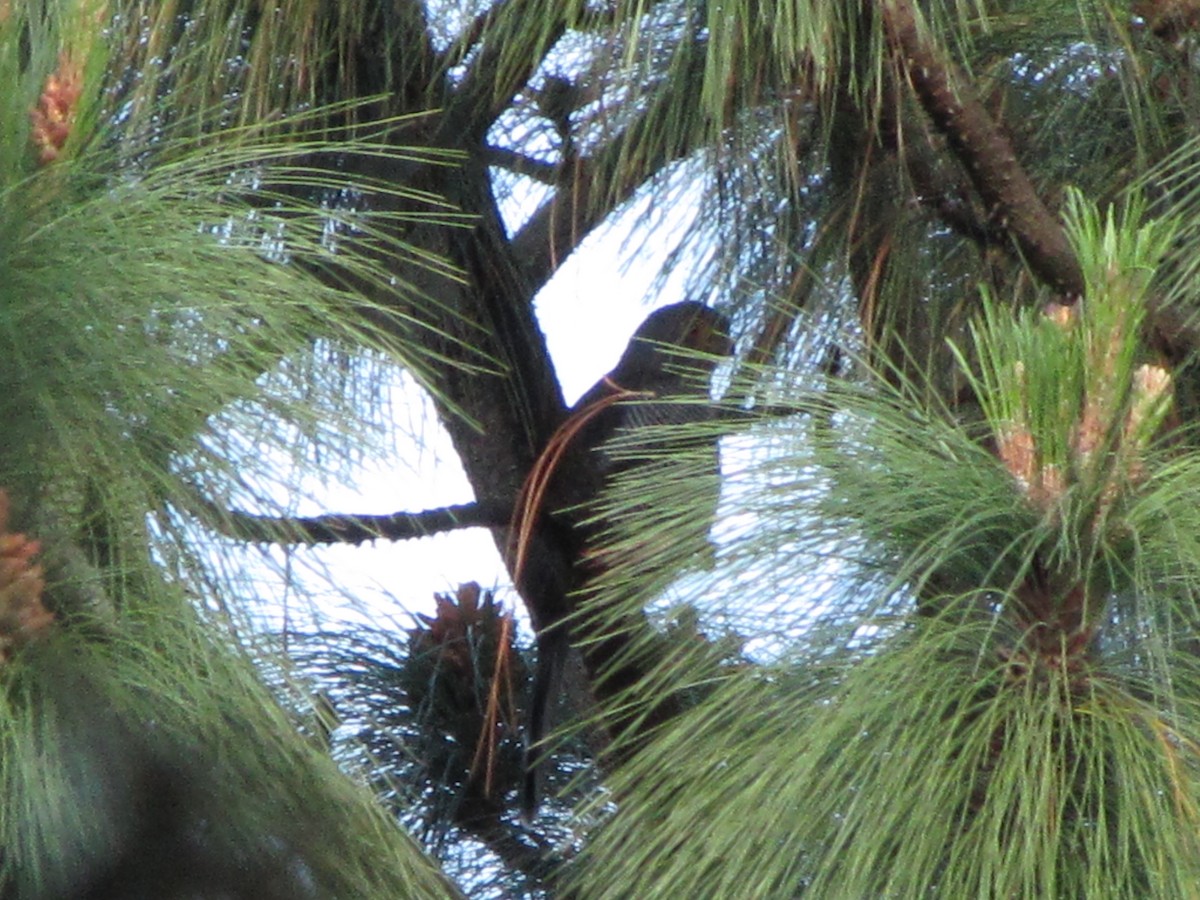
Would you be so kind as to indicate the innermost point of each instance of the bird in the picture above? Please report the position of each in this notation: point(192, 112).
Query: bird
point(614, 432)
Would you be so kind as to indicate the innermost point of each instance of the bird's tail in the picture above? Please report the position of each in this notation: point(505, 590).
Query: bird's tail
point(553, 645)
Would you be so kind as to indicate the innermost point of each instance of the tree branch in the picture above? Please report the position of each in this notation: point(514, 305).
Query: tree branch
point(948, 201)
point(505, 158)
point(351, 529)
point(513, 48)
point(985, 152)
point(595, 185)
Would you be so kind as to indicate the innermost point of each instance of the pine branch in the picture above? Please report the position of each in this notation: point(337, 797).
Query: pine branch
point(985, 152)
point(945, 198)
point(352, 529)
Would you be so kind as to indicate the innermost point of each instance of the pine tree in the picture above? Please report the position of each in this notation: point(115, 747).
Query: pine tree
point(944, 644)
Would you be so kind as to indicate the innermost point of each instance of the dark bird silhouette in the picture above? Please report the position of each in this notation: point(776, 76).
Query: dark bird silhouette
point(613, 430)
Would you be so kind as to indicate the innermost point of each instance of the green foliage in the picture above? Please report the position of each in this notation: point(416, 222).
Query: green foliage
point(158, 286)
point(146, 757)
point(920, 767)
point(1007, 704)
point(1068, 394)
point(934, 650)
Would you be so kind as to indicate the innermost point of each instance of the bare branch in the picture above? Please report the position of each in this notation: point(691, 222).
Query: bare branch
point(504, 158)
point(352, 529)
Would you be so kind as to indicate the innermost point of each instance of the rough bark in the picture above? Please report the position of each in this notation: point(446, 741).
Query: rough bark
point(985, 152)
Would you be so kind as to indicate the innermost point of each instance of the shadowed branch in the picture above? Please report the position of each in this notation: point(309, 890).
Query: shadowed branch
point(985, 152)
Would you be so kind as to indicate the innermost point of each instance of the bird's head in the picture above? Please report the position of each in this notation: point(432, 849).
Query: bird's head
point(670, 334)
